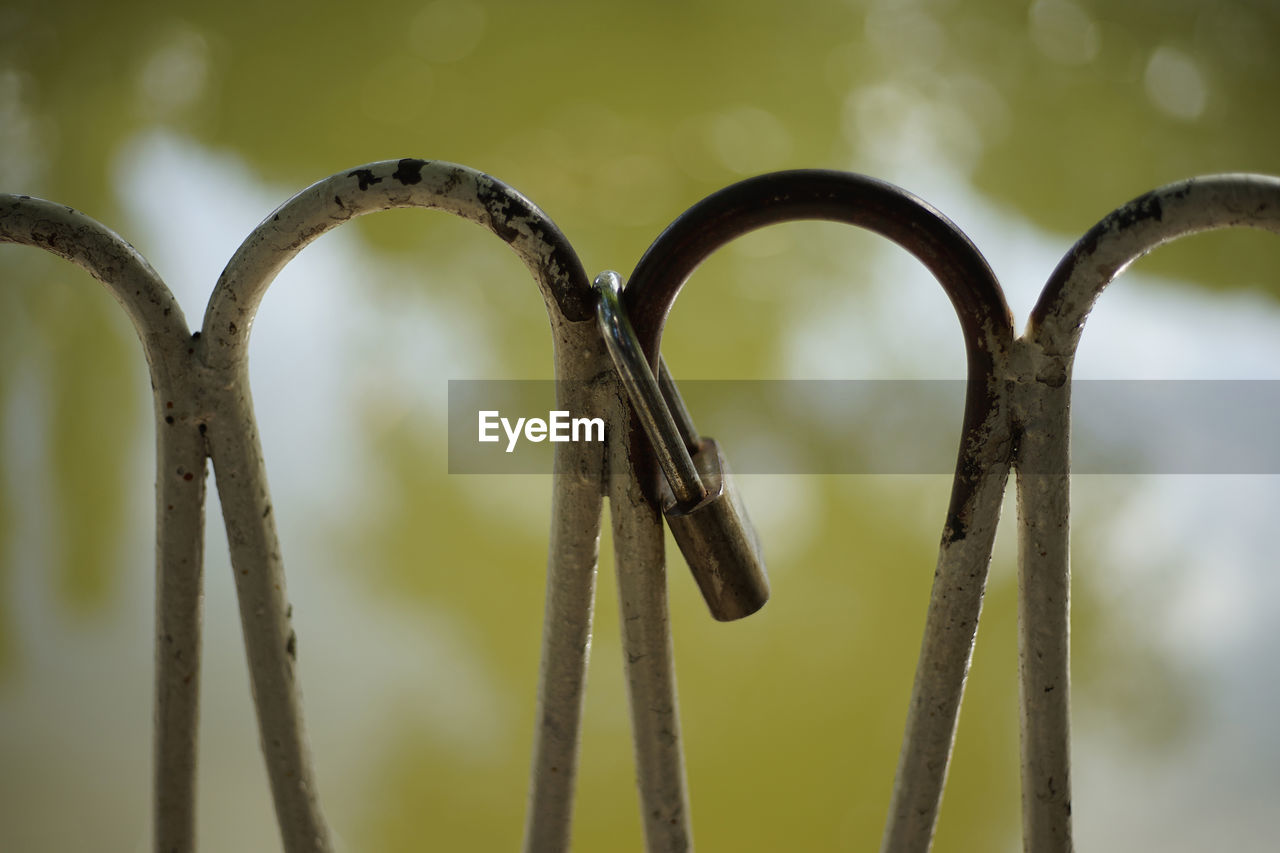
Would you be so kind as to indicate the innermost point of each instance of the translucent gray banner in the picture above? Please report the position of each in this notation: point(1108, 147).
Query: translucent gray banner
point(888, 426)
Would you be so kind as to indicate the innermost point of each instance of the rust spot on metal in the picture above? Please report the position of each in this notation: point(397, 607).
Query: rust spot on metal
point(365, 177)
point(409, 171)
point(497, 203)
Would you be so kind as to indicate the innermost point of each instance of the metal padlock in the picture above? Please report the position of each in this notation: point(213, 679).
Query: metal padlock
point(701, 505)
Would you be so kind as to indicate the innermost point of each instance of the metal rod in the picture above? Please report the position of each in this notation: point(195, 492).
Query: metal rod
point(566, 641)
point(180, 489)
point(242, 482)
point(1045, 357)
point(983, 459)
point(640, 562)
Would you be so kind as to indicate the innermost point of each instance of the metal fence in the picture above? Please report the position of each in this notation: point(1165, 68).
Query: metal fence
point(1016, 417)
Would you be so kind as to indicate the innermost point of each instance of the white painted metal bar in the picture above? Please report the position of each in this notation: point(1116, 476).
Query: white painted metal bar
point(242, 484)
point(571, 575)
point(180, 489)
point(640, 564)
point(1044, 360)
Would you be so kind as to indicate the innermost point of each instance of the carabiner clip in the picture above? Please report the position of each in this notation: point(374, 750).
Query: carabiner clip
point(701, 505)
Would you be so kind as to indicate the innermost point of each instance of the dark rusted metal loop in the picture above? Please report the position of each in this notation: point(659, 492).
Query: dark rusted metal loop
point(985, 446)
point(984, 315)
point(822, 195)
point(813, 194)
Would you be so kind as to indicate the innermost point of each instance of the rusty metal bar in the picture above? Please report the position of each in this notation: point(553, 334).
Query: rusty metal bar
point(981, 469)
point(180, 488)
point(242, 484)
point(1043, 362)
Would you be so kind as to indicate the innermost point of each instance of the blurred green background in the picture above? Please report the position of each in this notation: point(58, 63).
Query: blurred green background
point(419, 594)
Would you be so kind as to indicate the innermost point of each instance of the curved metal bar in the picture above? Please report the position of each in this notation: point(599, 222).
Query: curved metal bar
point(180, 488)
point(1045, 356)
point(385, 185)
point(981, 469)
point(242, 483)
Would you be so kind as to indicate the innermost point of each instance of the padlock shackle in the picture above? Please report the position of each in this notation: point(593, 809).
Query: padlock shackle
point(669, 438)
